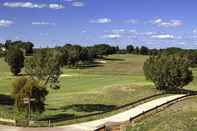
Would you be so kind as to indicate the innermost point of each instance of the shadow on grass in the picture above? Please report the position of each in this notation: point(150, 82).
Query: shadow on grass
point(59, 117)
point(6, 100)
point(89, 107)
point(113, 59)
point(99, 109)
point(90, 65)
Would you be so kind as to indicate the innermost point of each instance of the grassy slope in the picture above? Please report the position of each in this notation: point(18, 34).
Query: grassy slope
point(179, 117)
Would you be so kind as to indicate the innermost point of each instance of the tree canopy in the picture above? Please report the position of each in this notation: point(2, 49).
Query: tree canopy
point(45, 65)
point(168, 72)
point(15, 60)
point(24, 88)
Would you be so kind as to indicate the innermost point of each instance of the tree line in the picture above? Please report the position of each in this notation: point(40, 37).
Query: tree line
point(15, 53)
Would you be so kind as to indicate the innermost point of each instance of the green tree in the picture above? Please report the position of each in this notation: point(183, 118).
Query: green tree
point(144, 50)
point(103, 49)
point(168, 72)
point(45, 65)
point(15, 60)
point(137, 50)
point(130, 49)
point(24, 88)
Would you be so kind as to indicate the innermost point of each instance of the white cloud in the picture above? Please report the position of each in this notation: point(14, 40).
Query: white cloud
point(170, 23)
point(195, 31)
point(123, 31)
point(32, 5)
point(23, 5)
point(56, 6)
point(77, 4)
point(101, 21)
point(43, 23)
point(132, 21)
point(6, 23)
point(112, 36)
point(84, 31)
point(118, 31)
point(164, 36)
point(69, 0)
point(157, 21)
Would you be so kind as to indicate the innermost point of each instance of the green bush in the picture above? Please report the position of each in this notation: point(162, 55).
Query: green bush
point(168, 72)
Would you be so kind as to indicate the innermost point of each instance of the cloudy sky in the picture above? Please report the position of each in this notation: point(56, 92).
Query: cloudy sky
point(154, 23)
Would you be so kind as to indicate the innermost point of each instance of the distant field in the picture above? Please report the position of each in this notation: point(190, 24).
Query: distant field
point(179, 117)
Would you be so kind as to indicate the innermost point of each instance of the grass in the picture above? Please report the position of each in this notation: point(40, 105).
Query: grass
point(181, 116)
point(90, 90)
point(193, 84)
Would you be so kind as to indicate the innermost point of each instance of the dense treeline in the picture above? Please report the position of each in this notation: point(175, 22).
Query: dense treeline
point(74, 55)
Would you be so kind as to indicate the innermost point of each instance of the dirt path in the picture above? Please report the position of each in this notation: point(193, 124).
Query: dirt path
point(92, 125)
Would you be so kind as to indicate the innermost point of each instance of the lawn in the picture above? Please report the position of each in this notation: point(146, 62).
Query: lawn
point(90, 90)
point(179, 117)
point(193, 84)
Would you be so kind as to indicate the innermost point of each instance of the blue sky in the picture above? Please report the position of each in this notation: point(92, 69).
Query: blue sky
point(153, 23)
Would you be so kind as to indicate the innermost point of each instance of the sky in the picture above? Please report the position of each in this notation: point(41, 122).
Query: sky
point(49, 23)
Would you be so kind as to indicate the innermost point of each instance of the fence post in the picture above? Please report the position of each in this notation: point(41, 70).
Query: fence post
point(49, 123)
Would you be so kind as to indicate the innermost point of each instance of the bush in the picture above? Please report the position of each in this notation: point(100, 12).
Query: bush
point(168, 72)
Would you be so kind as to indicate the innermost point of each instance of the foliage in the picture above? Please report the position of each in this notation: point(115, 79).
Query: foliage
point(104, 49)
point(28, 88)
point(15, 60)
point(144, 50)
point(27, 47)
point(73, 54)
point(130, 48)
point(168, 72)
point(45, 65)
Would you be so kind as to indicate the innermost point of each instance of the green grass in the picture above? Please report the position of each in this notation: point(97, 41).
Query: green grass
point(90, 90)
point(179, 117)
point(193, 84)
point(120, 81)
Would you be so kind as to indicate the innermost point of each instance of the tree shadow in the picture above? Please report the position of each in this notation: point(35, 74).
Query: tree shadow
point(89, 65)
point(6, 100)
point(22, 74)
point(113, 59)
point(59, 117)
point(90, 107)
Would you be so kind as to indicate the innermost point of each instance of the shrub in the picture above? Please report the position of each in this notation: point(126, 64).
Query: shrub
point(168, 72)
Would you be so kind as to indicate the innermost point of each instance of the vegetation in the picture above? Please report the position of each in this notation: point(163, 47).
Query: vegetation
point(26, 47)
point(180, 116)
point(100, 88)
point(168, 72)
point(28, 89)
point(99, 75)
point(15, 60)
point(45, 66)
